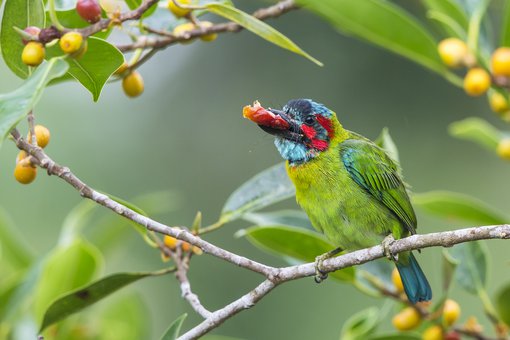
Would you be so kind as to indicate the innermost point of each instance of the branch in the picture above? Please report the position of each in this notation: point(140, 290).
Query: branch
point(168, 39)
point(274, 276)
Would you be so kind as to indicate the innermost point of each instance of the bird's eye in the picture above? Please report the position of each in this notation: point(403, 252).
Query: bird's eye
point(309, 120)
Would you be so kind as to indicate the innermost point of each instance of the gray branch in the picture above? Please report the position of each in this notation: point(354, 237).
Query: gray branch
point(274, 276)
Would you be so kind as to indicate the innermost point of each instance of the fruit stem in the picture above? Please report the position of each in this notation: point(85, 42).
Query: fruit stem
point(53, 16)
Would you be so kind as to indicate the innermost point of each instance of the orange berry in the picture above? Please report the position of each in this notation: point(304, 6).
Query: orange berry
point(452, 51)
point(500, 62)
point(207, 37)
point(179, 12)
point(185, 246)
point(25, 173)
point(503, 149)
point(407, 319)
point(397, 281)
point(21, 156)
point(170, 242)
point(33, 53)
point(42, 135)
point(477, 81)
point(451, 312)
point(434, 332)
point(133, 84)
point(71, 42)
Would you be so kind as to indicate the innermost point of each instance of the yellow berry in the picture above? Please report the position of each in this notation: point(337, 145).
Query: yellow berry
point(42, 135)
point(21, 156)
point(472, 325)
point(71, 42)
point(170, 242)
point(133, 84)
point(122, 68)
point(498, 102)
point(477, 81)
point(407, 319)
point(33, 53)
point(24, 173)
point(434, 332)
point(451, 312)
point(196, 250)
point(503, 149)
point(181, 30)
point(500, 62)
point(452, 51)
point(207, 37)
point(179, 12)
point(397, 281)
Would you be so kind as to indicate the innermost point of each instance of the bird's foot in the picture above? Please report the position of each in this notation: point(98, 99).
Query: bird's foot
point(320, 274)
point(386, 244)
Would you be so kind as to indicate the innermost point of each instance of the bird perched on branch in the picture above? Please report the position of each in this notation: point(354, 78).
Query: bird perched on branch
point(349, 187)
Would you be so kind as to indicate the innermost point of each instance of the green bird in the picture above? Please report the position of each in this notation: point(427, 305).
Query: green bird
point(349, 187)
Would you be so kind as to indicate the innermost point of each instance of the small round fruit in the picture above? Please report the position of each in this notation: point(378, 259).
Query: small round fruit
point(89, 10)
point(407, 319)
point(397, 281)
point(498, 102)
point(25, 173)
point(503, 149)
point(186, 247)
point(133, 84)
point(42, 135)
point(434, 332)
point(71, 42)
point(179, 12)
point(477, 81)
point(500, 62)
point(208, 37)
point(122, 68)
point(181, 30)
point(21, 156)
point(452, 51)
point(196, 250)
point(170, 242)
point(451, 312)
point(33, 53)
point(452, 335)
point(32, 30)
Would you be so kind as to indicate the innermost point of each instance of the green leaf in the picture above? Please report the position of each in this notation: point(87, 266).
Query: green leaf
point(258, 27)
point(361, 324)
point(75, 221)
point(92, 293)
point(296, 218)
point(476, 130)
point(297, 243)
point(174, 329)
point(505, 27)
point(503, 304)
point(15, 250)
point(457, 206)
point(267, 187)
point(95, 67)
point(454, 22)
point(15, 105)
point(20, 14)
point(471, 271)
point(449, 266)
point(387, 144)
point(66, 269)
point(384, 24)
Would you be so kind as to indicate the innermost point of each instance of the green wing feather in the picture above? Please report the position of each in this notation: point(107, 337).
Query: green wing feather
point(370, 167)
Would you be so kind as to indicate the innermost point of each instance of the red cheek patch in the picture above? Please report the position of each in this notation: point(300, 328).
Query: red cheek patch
point(319, 144)
point(309, 131)
point(326, 123)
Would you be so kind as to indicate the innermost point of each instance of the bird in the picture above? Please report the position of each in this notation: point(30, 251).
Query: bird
point(351, 190)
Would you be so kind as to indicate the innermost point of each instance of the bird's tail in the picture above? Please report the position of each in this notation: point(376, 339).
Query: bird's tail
point(415, 283)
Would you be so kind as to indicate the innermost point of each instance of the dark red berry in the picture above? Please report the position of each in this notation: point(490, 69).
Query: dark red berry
point(32, 30)
point(452, 336)
point(89, 10)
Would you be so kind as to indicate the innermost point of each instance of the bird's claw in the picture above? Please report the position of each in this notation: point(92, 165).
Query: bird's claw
point(320, 275)
point(386, 244)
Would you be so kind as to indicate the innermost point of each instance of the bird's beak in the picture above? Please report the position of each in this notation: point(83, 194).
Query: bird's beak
point(273, 121)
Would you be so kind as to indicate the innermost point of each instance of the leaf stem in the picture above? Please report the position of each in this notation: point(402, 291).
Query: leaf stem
point(53, 16)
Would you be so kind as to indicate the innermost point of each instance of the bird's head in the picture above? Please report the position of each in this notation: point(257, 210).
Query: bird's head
point(303, 128)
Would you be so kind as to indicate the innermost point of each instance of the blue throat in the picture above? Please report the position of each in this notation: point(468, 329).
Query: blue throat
point(294, 152)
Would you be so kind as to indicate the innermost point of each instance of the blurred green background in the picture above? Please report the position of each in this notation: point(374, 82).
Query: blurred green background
point(186, 134)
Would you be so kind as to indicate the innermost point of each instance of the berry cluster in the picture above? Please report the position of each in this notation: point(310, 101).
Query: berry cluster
point(173, 244)
point(24, 171)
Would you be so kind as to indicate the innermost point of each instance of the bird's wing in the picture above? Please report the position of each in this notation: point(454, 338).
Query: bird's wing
point(373, 170)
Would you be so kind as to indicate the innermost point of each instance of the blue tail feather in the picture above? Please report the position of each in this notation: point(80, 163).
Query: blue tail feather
point(415, 283)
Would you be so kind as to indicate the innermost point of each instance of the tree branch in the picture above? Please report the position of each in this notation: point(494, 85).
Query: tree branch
point(274, 276)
